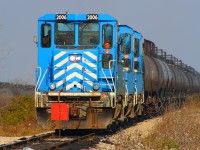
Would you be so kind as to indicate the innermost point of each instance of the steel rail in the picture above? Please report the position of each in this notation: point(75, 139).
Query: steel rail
point(65, 143)
point(26, 141)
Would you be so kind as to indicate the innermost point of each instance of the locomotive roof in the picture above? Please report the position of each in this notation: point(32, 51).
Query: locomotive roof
point(131, 29)
point(125, 26)
point(77, 17)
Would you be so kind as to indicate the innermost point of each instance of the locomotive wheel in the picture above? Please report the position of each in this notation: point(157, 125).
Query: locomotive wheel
point(130, 121)
point(110, 129)
point(126, 120)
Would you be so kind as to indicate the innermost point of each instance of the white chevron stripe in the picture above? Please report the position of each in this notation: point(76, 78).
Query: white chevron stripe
point(59, 55)
point(91, 55)
point(78, 76)
point(59, 83)
point(93, 75)
point(60, 73)
point(75, 74)
point(88, 82)
point(64, 61)
point(86, 61)
point(74, 65)
point(69, 86)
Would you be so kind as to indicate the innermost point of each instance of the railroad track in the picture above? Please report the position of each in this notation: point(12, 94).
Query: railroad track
point(51, 140)
point(26, 141)
point(47, 141)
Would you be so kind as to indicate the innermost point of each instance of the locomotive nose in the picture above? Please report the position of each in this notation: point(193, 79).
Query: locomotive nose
point(75, 72)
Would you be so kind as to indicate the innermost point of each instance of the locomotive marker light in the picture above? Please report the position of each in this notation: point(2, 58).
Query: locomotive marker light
point(107, 51)
point(126, 56)
point(52, 86)
point(96, 86)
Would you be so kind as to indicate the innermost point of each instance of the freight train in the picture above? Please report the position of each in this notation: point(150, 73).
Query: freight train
point(96, 74)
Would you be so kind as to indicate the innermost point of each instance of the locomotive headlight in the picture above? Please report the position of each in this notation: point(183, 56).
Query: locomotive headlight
point(78, 58)
point(52, 86)
point(75, 58)
point(96, 86)
point(72, 58)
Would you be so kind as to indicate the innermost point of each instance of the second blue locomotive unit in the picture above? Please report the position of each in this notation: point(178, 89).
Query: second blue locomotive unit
point(95, 74)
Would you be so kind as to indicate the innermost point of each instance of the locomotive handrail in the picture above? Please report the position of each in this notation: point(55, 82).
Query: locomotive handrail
point(106, 80)
point(42, 79)
point(39, 77)
point(38, 68)
point(135, 96)
point(37, 87)
point(126, 96)
point(111, 72)
point(113, 106)
point(83, 72)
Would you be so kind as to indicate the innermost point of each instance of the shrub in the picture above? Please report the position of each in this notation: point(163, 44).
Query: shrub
point(18, 111)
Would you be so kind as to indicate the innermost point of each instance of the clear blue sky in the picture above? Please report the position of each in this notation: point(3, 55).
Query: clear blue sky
point(172, 24)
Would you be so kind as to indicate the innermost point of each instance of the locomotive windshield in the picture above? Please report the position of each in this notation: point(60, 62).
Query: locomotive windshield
point(88, 34)
point(64, 34)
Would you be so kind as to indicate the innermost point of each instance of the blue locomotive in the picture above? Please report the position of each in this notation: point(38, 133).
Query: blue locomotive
point(95, 74)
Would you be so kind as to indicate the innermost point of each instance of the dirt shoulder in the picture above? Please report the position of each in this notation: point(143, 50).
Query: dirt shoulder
point(129, 138)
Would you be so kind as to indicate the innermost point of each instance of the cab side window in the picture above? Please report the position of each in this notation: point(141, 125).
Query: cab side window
point(126, 64)
point(106, 58)
point(46, 35)
point(126, 43)
point(107, 36)
point(136, 67)
point(136, 47)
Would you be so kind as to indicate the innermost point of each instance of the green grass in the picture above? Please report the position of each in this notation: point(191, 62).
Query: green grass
point(21, 108)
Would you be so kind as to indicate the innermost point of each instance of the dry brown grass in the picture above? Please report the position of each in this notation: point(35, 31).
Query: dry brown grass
point(19, 117)
point(5, 100)
point(178, 129)
point(27, 128)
